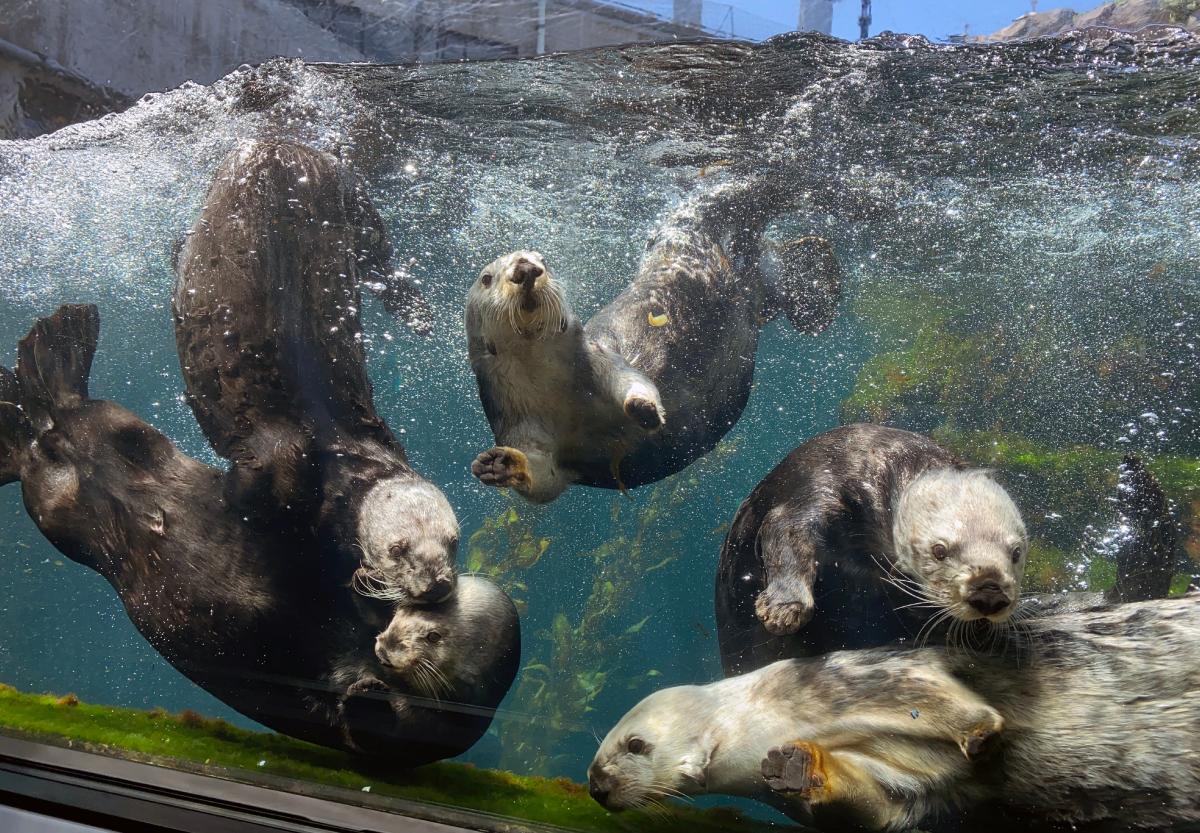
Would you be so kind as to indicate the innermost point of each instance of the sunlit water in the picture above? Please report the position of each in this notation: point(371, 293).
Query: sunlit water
point(1044, 194)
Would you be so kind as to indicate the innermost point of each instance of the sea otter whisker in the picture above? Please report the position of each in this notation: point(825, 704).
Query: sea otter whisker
point(668, 790)
point(931, 604)
point(369, 584)
point(930, 626)
point(905, 584)
point(437, 676)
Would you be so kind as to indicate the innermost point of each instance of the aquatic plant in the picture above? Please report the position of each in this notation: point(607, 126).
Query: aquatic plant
point(502, 548)
point(190, 741)
point(572, 662)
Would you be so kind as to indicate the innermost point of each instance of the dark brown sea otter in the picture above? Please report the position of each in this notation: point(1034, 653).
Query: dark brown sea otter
point(267, 322)
point(867, 535)
point(247, 612)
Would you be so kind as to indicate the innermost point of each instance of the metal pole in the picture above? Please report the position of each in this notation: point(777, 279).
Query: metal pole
point(864, 20)
point(541, 27)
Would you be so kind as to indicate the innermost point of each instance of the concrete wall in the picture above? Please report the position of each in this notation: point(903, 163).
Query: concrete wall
point(400, 30)
point(136, 46)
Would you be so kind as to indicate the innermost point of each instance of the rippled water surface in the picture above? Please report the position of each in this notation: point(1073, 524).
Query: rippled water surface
point(1018, 226)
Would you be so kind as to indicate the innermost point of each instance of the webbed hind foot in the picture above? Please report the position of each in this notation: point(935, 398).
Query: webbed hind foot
point(644, 410)
point(503, 467)
point(784, 607)
point(796, 768)
point(981, 738)
point(807, 284)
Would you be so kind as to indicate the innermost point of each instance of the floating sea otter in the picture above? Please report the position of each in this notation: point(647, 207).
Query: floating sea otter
point(656, 378)
point(244, 610)
point(267, 324)
point(895, 535)
point(1093, 718)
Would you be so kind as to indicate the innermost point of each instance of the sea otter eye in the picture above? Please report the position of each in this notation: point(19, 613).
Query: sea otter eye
point(434, 637)
point(939, 551)
point(636, 746)
point(486, 279)
point(1016, 553)
point(398, 549)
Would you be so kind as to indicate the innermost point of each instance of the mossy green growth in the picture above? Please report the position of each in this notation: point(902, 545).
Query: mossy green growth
point(194, 742)
point(1083, 467)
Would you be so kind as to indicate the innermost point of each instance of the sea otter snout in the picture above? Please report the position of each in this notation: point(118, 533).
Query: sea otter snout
point(430, 587)
point(988, 597)
point(600, 786)
point(525, 272)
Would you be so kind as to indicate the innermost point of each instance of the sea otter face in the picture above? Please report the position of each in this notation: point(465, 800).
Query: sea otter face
point(415, 648)
point(408, 537)
point(516, 293)
point(960, 535)
point(653, 753)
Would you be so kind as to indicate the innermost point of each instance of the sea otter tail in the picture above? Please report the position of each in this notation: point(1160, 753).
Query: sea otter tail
point(803, 281)
point(802, 277)
point(53, 365)
point(55, 360)
point(1146, 552)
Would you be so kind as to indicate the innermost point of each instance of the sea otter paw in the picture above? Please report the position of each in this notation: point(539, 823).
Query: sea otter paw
point(364, 684)
point(981, 738)
point(783, 610)
point(796, 768)
point(642, 409)
point(503, 467)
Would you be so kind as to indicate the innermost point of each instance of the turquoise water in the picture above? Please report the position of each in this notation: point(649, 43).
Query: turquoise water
point(1040, 202)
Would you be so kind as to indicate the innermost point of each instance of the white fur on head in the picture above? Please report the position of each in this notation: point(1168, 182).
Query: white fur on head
point(660, 748)
point(973, 518)
point(506, 308)
point(408, 537)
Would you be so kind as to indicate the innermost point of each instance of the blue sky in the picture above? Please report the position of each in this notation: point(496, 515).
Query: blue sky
point(933, 18)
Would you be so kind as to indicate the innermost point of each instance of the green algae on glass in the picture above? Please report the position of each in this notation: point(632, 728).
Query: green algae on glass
point(983, 392)
point(191, 741)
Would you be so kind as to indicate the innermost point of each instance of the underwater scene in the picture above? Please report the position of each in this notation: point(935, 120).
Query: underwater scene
point(990, 248)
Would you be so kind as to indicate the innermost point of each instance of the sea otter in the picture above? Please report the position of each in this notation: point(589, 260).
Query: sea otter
point(452, 654)
point(270, 342)
point(1092, 720)
point(867, 535)
point(249, 614)
point(657, 377)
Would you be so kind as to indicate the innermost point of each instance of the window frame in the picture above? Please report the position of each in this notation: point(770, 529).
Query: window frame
point(118, 794)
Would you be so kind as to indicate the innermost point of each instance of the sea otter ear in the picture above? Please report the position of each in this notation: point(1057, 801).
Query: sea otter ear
point(693, 769)
point(694, 765)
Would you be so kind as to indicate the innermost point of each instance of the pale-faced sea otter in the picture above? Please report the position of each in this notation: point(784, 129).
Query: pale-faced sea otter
point(657, 377)
point(1090, 722)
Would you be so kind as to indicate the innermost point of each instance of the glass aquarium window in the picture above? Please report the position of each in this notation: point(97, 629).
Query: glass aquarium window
point(609, 416)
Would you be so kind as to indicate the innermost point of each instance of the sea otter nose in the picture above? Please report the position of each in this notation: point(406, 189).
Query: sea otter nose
point(525, 271)
point(439, 591)
point(433, 591)
point(988, 598)
point(598, 791)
